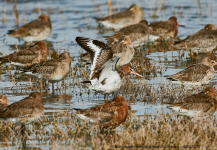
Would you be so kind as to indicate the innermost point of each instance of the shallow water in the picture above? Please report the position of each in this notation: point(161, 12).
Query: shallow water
point(75, 18)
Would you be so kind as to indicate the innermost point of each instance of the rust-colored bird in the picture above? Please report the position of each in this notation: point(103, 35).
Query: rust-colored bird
point(104, 76)
point(110, 114)
point(27, 57)
point(3, 101)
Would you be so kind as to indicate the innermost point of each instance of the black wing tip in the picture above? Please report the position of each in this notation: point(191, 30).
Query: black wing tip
point(83, 42)
point(96, 18)
point(169, 107)
point(85, 82)
point(169, 78)
point(24, 71)
point(177, 42)
point(106, 37)
point(78, 39)
point(76, 109)
point(147, 79)
point(81, 37)
point(10, 32)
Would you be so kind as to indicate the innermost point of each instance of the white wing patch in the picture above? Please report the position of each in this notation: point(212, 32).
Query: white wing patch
point(107, 68)
point(88, 119)
point(185, 112)
point(83, 117)
point(97, 51)
point(16, 64)
point(190, 113)
point(29, 72)
point(153, 37)
point(176, 109)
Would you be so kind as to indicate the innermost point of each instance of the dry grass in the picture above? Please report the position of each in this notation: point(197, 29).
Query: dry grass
point(62, 130)
point(15, 11)
point(161, 130)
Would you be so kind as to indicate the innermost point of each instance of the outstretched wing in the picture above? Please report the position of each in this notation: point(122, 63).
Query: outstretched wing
point(99, 53)
point(107, 67)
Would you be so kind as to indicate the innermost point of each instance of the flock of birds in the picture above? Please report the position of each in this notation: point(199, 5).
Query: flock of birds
point(105, 58)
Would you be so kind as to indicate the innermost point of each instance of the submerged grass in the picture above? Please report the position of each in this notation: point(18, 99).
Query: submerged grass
point(62, 130)
point(160, 131)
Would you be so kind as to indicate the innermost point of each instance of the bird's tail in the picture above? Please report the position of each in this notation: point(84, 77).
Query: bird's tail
point(10, 32)
point(5, 59)
point(97, 19)
point(85, 82)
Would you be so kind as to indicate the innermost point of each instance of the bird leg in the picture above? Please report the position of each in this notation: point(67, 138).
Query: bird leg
point(23, 130)
point(52, 88)
point(46, 86)
point(106, 95)
point(57, 85)
point(41, 85)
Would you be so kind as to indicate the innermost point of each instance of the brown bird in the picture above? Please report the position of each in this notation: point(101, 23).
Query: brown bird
point(27, 57)
point(24, 111)
point(3, 101)
point(123, 49)
point(110, 114)
point(164, 29)
point(199, 105)
point(104, 76)
point(203, 41)
point(130, 16)
point(52, 70)
point(197, 74)
point(35, 30)
point(100, 53)
point(138, 33)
